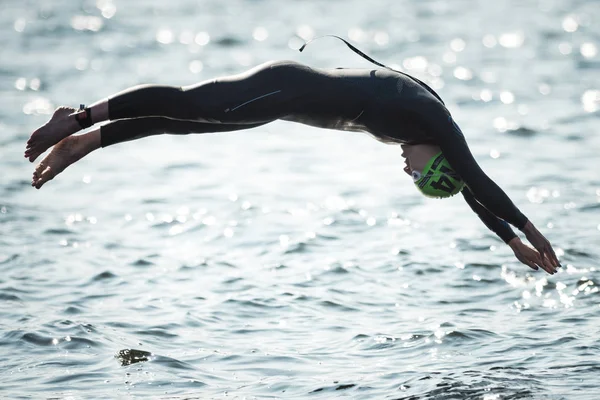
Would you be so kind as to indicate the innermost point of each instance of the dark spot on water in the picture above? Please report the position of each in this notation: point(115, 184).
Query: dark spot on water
point(360, 336)
point(9, 297)
point(103, 276)
point(572, 320)
point(482, 265)
point(334, 305)
point(337, 270)
point(16, 185)
point(99, 296)
point(71, 310)
point(228, 41)
point(327, 237)
point(120, 324)
point(522, 132)
point(226, 264)
point(233, 280)
point(132, 356)
point(578, 253)
point(338, 328)
point(9, 259)
point(296, 248)
point(574, 138)
point(141, 263)
point(337, 387)
point(156, 332)
point(475, 311)
point(192, 166)
point(154, 201)
point(58, 231)
point(585, 64)
point(303, 298)
point(590, 207)
point(71, 377)
point(37, 339)
point(173, 363)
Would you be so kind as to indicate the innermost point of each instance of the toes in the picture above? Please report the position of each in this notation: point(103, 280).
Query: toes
point(45, 176)
point(33, 153)
point(33, 137)
point(39, 168)
point(37, 172)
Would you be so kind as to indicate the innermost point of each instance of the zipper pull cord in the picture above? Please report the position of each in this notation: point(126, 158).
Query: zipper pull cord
point(354, 49)
point(370, 59)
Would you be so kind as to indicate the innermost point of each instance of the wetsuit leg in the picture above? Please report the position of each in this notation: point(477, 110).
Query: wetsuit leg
point(135, 128)
point(262, 94)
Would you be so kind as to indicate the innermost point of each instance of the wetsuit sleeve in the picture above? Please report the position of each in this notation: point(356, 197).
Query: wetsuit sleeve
point(495, 224)
point(441, 127)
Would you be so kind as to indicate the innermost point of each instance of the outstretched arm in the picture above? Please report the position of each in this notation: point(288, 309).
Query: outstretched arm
point(524, 253)
point(440, 125)
point(495, 224)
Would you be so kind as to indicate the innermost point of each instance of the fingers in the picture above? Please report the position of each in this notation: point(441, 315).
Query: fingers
point(548, 255)
point(536, 260)
point(548, 259)
point(545, 256)
point(543, 261)
point(531, 265)
point(553, 257)
point(527, 261)
point(547, 266)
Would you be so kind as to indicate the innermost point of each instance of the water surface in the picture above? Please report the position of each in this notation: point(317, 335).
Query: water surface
point(287, 261)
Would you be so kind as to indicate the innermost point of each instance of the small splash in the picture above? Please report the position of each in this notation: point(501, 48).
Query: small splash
point(132, 356)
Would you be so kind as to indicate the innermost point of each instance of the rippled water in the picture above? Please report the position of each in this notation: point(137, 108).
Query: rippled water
point(291, 262)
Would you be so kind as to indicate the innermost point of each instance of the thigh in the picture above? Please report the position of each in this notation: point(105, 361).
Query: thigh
point(268, 92)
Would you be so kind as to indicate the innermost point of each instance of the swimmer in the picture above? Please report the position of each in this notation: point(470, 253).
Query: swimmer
point(390, 105)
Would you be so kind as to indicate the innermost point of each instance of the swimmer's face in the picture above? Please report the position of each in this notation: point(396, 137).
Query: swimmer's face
point(417, 156)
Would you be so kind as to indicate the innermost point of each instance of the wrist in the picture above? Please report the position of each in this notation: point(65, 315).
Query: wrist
point(528, 227)
point(514, 242)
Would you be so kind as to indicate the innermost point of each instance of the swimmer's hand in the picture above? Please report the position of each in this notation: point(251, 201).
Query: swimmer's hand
point(541, 244)
point(530, 256)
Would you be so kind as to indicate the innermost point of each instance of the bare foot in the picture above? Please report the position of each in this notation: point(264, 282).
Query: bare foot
point(59, 127)
point(65, 153)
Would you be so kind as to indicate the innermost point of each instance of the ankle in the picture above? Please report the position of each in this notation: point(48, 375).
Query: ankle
point(73, 125)
point(92, 140)
point(83, 117)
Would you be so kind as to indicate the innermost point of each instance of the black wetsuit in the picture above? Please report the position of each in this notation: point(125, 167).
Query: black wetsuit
point(391, 106)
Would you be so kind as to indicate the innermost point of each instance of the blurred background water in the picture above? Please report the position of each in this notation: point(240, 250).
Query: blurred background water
point(287, 261)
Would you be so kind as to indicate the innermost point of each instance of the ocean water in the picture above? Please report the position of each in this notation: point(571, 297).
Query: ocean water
point(287, 262)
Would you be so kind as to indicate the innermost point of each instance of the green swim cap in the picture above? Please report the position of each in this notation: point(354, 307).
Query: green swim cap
point(438, 179)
